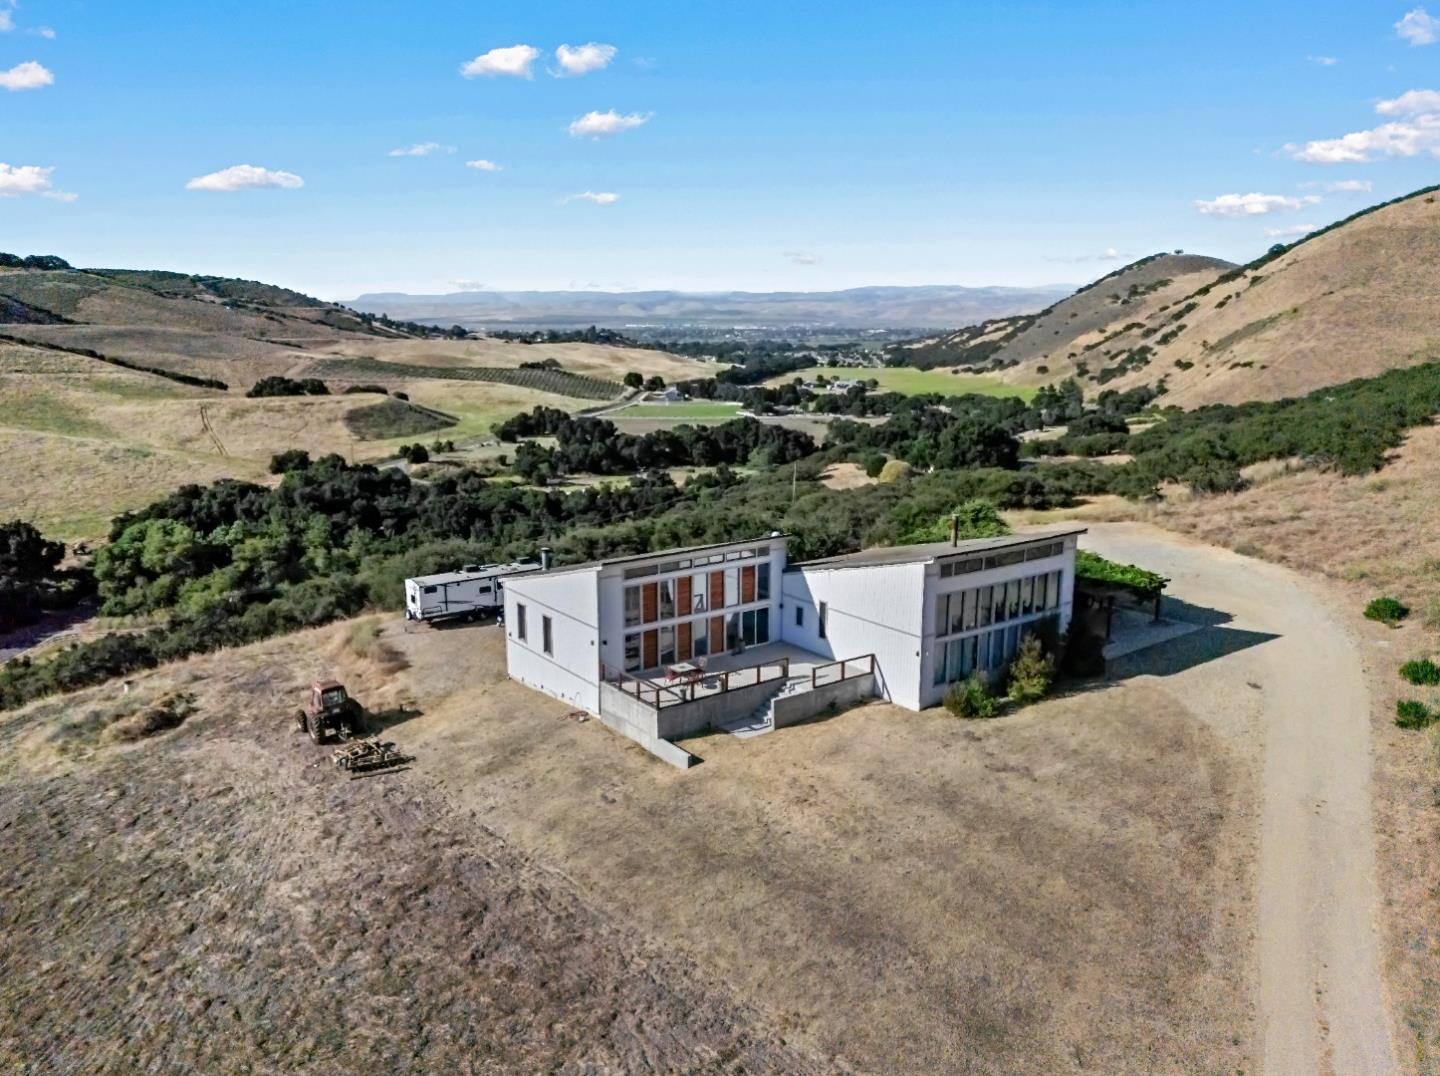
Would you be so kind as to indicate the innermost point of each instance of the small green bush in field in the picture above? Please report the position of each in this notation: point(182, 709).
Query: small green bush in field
point(1423, 671)
point(1387, 611)
point(1032, 671)
point(1410, 714)
point(971, 699)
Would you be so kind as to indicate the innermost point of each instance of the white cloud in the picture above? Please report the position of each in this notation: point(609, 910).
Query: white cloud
point(1418, 130)
point(469, 285)
point(801, 257)
point(1350, 186)
point(1252, 205)
point(19, 179)
point(27, 76)
point(1323, 61)
point(7, 20)
point(483, 166)
point(582, 59)
point(244, 177)
point(598, 197)
point(421, 149)
point(514, 61)
point(45, 32)
point(599, 124)
point(1359, 147)
point(1292, 232)
point(1419, 27)
point(1411, 103)
point(1109, 254)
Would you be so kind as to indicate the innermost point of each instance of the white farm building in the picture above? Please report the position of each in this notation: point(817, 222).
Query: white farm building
point(662, 645)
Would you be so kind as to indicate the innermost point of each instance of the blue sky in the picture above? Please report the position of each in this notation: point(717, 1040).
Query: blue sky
point(804, 145)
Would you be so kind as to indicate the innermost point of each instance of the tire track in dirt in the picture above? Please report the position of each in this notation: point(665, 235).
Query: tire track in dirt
point(1321, 1001)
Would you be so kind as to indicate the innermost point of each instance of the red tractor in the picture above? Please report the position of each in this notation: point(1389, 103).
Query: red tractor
point(330, 712)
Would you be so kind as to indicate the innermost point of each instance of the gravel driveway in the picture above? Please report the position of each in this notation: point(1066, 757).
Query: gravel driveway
point(1278, 662)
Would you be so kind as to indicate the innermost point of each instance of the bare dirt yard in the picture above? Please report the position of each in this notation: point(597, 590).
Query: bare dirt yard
point(1069, 889)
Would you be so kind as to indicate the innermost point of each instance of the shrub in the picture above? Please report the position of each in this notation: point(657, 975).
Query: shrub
point(971, 699)
point(1032, 671)
point(292, 459)
point(895, 470)
point(1422, 672)
point(285, 386)
point(1410, 714)
point(875, 464)
point(1387, 611)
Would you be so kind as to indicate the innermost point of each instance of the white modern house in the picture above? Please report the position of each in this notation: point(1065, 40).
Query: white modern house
point(661, 645)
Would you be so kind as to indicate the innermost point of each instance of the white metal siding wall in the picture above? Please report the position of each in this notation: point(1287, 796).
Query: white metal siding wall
point(872, 609)
point(571, 672)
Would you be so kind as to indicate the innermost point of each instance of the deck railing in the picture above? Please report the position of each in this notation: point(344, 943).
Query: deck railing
point(836, 671)
point(702, 686)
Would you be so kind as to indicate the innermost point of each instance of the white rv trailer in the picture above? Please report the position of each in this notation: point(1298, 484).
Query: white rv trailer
point(473, 590)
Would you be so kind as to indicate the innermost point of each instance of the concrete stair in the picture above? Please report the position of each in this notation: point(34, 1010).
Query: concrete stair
point(761, 720)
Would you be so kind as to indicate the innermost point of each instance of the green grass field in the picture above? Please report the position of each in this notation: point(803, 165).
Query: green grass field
point(913, 382)
point(694, 409)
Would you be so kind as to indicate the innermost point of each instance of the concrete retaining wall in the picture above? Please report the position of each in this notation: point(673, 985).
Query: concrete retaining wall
point(677, 722)
point(792, 709)
point(633, 719)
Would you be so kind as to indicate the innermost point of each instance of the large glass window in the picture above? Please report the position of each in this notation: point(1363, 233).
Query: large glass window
point(1027, 595)
point(520, 621)
point(762, 581)
point(762, 625)
point(632, 653)
point(667, 599)
point(667, 646)
point(547, 635)
point(967, 622)
point(940, 676)
point(732, 631)
point(942, 613)
point(1012, 598)
point(632, 606)
point(747, 626)
point(732, 587)
point(982, 596)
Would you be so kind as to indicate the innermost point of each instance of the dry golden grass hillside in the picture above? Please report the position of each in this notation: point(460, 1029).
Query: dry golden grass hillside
point(1352, 302)
point(1044, 340)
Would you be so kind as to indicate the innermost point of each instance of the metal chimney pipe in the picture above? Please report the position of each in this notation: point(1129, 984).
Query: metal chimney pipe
point(954, 530)
point(545, 557)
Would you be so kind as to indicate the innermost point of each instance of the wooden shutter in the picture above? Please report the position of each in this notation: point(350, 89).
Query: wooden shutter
point(649, 604)
point(682, 596)
point(717, 590)
point(717, 635)
point(747, 583)
point(651, 656)
point(683, 649)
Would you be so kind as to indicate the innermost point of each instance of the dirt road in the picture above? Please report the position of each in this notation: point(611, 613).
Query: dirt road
point(1278, 653)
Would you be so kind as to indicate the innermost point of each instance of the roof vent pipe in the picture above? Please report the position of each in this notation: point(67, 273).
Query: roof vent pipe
point(954, 530)
point(545, 556)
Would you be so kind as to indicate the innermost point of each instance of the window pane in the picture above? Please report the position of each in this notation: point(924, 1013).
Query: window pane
point(520, 621)
point(1055, 590)
point(632, 653)
point(942, 615)
point(762, 626)
point(983, 604)
point(732, 631)
point(998, 594)
point(701, 642)
point(747, 626)
point(667, 599)
point(821, 617)
point(1027, 595)
point(547, 635)
point(632, 606)
point(762, 585)
point(940, 676)
point(1012, 597)
point(968, 611)
point(667, 646)
point(732, 586)
point(967, 656)
point(953, 650)
point(957, 611)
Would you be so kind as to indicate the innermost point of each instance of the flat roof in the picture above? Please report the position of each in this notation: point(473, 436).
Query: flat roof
point(664, 554)
point(917, 554)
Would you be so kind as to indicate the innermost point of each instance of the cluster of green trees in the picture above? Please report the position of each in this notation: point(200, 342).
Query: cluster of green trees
point(1349, 427)
point(286, 386)
point(31, 579)
point(33, 261)
point(595, 446)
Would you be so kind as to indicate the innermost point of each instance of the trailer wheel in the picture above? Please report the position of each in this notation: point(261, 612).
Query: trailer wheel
point(300, 721)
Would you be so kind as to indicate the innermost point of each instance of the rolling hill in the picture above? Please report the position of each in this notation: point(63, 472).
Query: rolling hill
point(861, 308)
point(1352, 300)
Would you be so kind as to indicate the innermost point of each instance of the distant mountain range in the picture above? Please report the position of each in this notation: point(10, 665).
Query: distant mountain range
point(933, 306)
